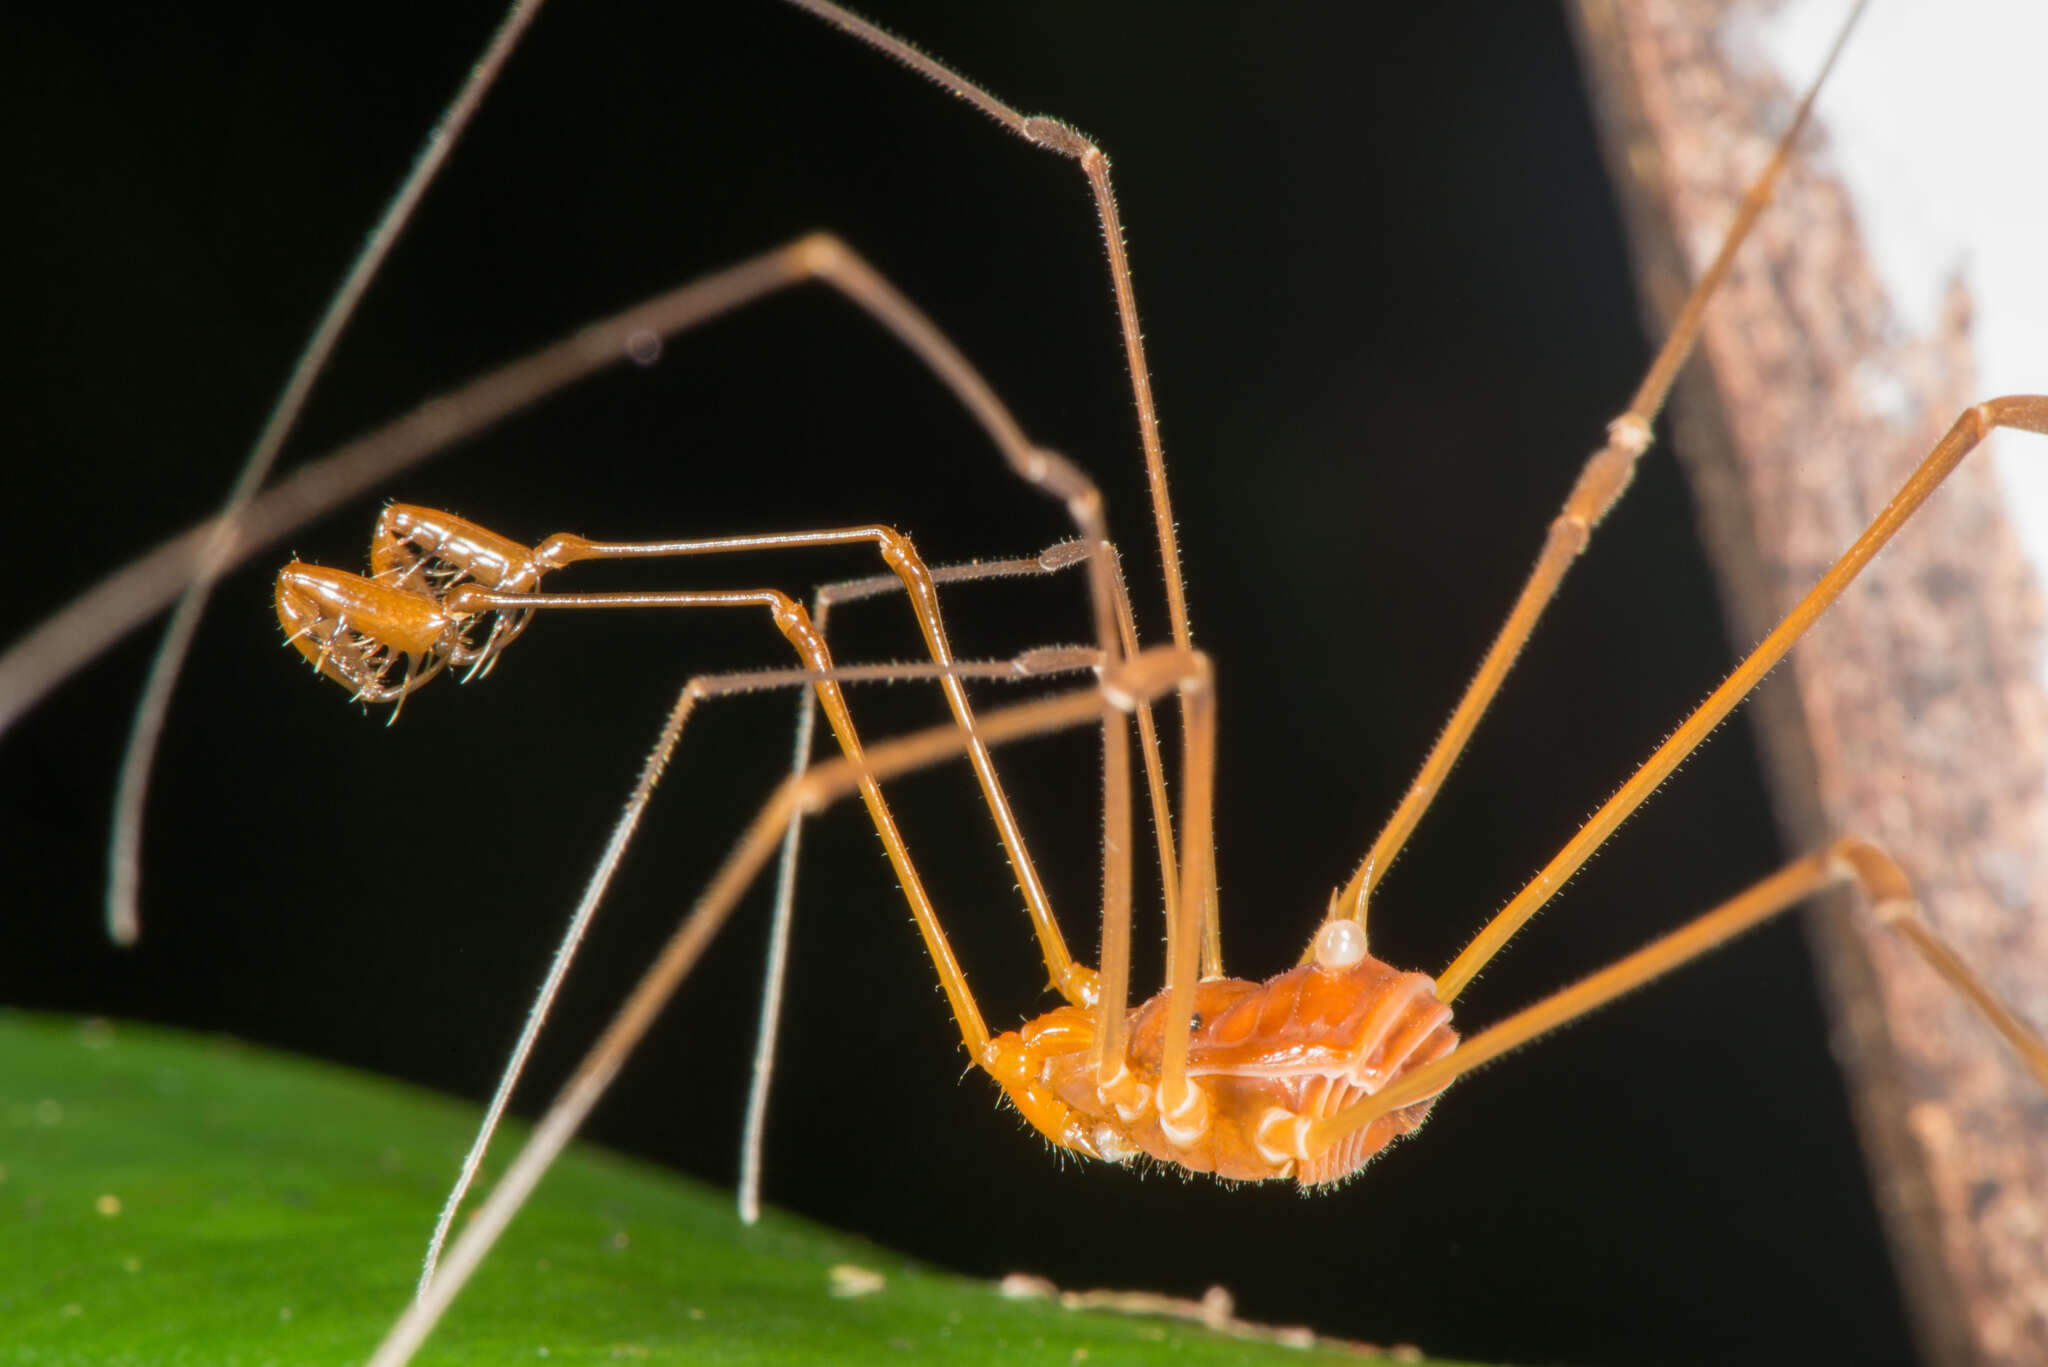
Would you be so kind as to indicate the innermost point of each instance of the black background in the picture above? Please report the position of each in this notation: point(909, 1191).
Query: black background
point(1388, 311)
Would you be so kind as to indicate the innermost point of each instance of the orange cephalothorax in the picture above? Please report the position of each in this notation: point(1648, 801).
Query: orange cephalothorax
point(1271, 1058)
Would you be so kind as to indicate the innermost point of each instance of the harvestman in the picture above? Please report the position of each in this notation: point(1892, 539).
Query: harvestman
point(1305, 1076)
point(1182, 1079)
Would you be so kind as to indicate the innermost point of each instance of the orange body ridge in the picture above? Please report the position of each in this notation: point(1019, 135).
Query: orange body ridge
point(1270, 1058)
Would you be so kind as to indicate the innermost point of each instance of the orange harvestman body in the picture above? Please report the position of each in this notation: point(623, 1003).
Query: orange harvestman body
point(1272, 1057)
point(1301, 1077)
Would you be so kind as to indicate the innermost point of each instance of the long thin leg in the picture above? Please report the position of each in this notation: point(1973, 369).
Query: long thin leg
point(1068, 142)
point(1942, 958)
point(1054, 558)
point(1600, 485)
point(1183, 1109)
point(124, 845)
point(1148, 676)
point(775, 972)
point(1065, 140)
point(2022, 412)
point(1850, 860)
point(1113, 970)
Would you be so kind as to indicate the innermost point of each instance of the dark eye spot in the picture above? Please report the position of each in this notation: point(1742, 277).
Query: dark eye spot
point(1194, 1022)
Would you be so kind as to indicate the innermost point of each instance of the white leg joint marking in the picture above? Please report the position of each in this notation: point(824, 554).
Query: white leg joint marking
point(1282, 1138)
point(1186, 1123)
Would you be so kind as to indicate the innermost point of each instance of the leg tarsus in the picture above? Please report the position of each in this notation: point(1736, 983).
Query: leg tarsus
point(1895, 907)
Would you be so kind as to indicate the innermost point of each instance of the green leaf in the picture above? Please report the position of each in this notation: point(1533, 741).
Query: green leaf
point(167, 1198)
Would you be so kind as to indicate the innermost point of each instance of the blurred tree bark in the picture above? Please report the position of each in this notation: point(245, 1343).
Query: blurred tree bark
point(1913, 714)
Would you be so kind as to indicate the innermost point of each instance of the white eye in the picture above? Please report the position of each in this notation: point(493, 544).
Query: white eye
point(1340, 944)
